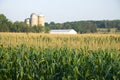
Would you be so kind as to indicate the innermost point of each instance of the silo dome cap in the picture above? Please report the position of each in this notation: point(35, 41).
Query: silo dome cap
point(33, 14)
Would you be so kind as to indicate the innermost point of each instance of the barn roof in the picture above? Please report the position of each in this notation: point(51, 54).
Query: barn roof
point(61, 30)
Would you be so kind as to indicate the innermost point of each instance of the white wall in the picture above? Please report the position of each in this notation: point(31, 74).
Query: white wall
point(70, 32)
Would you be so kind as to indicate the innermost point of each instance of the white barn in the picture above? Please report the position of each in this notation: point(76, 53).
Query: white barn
point(63, 31)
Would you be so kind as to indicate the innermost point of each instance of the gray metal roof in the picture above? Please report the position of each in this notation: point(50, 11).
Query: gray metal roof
point(61, 30)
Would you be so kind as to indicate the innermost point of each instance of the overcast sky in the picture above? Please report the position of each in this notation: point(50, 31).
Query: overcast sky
point(61, 10)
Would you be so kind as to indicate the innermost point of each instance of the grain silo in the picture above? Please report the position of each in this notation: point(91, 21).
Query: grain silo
point(41, 20)
point(34, 19)
point(27, 21)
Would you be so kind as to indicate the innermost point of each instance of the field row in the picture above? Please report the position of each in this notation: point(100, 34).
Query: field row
point(90, 41)
point(23, 63)
point(34, 56)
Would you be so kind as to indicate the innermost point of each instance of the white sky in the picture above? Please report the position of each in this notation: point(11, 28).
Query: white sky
point(61, 10)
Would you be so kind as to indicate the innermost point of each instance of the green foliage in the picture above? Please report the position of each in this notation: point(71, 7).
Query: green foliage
point(20, 27)
point(27, 63)
point(38, 28)
point(85, 26)
point(47, 29)
point(4, 24)
point(8, 26)
point(59, 57)
point(79, 26)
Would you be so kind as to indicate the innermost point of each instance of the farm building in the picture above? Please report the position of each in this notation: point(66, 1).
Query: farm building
point(63, 31)
point(35, 20)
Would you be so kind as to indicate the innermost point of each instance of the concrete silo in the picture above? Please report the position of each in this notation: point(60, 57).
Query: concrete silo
point(27, 21)
point(41, 20)
point(34, 19)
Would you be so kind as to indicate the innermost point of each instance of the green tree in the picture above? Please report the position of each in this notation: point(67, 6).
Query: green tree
point(20, 27)
point(3, 23)
point(38, 28)
point(47, 29)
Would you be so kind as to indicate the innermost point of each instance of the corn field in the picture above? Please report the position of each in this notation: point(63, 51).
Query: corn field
point(34, 56)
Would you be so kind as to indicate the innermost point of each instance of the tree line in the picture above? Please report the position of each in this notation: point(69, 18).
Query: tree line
point(79, 26)
point(86, 26)
point(9, 26)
